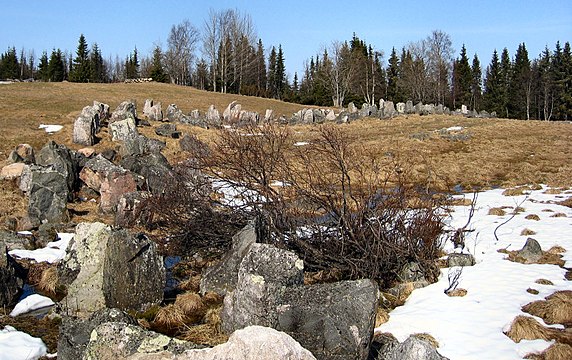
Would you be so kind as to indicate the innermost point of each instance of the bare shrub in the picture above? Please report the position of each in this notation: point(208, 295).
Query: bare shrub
point(330, 202)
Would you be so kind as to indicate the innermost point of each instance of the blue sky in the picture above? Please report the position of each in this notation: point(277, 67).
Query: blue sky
point(302, 27)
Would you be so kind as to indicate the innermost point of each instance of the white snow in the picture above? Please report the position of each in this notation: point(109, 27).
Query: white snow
point(17, 345)
point(54, 251)
point(454, 128)
point(470, 327)
point(51, 128)
point(31, 303)
point(301, 143)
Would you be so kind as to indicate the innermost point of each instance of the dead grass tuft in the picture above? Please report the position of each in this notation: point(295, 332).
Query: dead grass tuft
point(558, 215)
point(210, 333)
point(322, 276)
point(381, 316)
point(497, 211)
point(49, 280)
point(457, 293)
point(192, 306)
point(554, 191)
point(212, 299)
point(557, 351)
point(527, 232)
point(567, 202)
point(519, 209)
point(168, 320)
point(532, 291)
point(192, 284)
point(428, 338)
point(544, 282)
point(527, 328)
point(555, 309)
point(517, 191)
point(532, 217)
point(461, 202)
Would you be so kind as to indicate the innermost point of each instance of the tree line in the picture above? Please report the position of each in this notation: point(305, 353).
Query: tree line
point(234, 60)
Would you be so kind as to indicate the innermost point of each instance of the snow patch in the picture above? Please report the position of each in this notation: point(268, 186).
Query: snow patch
point(17, 345)
point(31, 303)
point(51, 128)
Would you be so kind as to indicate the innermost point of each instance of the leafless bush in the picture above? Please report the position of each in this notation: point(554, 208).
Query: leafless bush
point(330, 202)
point(188, 218)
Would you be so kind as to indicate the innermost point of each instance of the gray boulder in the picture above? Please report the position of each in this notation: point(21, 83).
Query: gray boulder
point(174, 114)
point(400, 108)
point(60, 158)
point(131, 209)
point(264, 275)
point(409, 108)
point(222, 277)
point(168, 130)
point(388, 110)
point(411, 272)
point(23, 153)
point(231, 115)
point(125, 110)
point(10, 283)
point(153, 111)
point(75, 333)
point(119, 340)
point(413, 348)
point(147, 106)
point(86, 126)
point(268, 115)
point(247, 118)
point(531, 252)
point(153, 167)
point(133, 272)
point(460, 260)
point(123, 129)
point(253, 343)
point(83, 270)
point(330, 115)
point(139, 145)
point(333, 321)
point(102, 109)
point(213, 117)
point(48, 193)
point(352, 108)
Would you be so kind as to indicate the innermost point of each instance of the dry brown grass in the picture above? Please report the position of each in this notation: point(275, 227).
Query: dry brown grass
point(191, 284)
point(532, 291)
point(192, 306)
point(532, 217)
point(457, 293)
point(558, 215)
point(567, 202)
point(515, 191)
point(381, 316)
point(48, 281)
point(210, 333)
point(212, 299)
point(555, 351)
point(527, 328)
point(497, 211)
point(544, 282)
point(527, 232)
point(428, 338)
point(169, 320)
point(555, 309)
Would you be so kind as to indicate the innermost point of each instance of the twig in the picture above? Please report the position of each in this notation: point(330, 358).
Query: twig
point(510, 218)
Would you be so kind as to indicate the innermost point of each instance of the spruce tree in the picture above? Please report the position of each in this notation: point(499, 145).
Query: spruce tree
point(43, 72)
point(520, 89)
point(462, 79)
point(81, 67)
point(393, 78)
point(157, 69)
point(476, 83)
point(10, 68)
point(492, 96)
point(563, 81)
point(281, 82)
point(56, 66)
point(272, 64)
point(505, 71)
point(260, 70)
point(98, 71)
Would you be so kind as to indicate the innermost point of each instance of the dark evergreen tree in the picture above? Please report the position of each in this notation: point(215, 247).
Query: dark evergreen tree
point(544, 78)
point(98, 69)
point(81, 67)
point(9, 66)
point(260, 70)
point(562, 75)
point(506, 73)
point(281, 81)
point(131, 68)
point(43, 72)
point(272, 75)
point(520, 90)
point(157, 69)
point(476, 83)
point(56, 66)
point(393, 78)
point(493, 87)
point(462, 79)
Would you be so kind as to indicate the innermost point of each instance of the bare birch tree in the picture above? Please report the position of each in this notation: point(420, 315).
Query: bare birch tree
point(181, 52)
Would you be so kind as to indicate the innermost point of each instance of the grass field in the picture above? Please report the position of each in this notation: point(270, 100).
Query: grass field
point(484, 153)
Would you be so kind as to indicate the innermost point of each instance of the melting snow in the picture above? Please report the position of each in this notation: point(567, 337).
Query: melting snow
point(17, 345)
point(470, 327)
point(54, 251)
point(51, 128)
